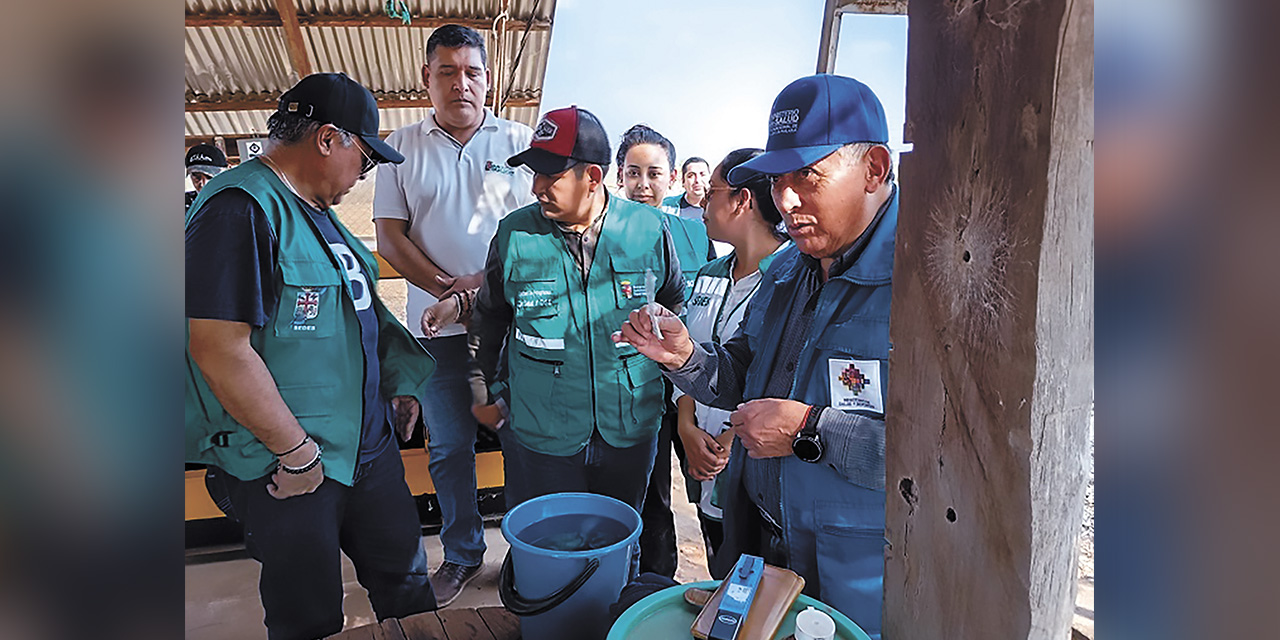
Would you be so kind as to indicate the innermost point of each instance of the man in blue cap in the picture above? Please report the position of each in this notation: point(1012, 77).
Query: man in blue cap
point(297, 375)
point(807, 372)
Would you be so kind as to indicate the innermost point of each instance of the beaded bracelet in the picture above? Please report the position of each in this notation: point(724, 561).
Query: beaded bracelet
point(297, 471)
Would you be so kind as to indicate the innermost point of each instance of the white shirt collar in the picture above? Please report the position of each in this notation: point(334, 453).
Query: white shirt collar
point(429, 123)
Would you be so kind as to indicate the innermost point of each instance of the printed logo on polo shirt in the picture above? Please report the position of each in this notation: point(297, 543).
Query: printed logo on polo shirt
point(546, 130)
point(497, 167)
point(785, 121)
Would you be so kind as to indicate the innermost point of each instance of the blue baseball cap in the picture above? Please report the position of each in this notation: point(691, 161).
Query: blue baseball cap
point(811, 118)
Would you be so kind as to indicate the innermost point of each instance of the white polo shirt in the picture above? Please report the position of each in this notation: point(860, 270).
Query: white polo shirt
point(453, 196)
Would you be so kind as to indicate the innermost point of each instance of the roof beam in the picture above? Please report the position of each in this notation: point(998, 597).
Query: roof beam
point(379, 20)
point(267, 102)
point(294, 42)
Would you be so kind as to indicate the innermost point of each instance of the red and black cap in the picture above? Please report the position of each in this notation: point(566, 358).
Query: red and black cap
point(333, 98)
point(563, 138)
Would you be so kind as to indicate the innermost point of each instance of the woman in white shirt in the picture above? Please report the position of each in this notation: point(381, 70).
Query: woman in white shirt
point(744, 216)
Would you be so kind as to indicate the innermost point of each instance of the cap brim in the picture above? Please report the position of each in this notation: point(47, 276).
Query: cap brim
point(541, 161)
point(382, 151)
point(778, 162)
point(207, 169)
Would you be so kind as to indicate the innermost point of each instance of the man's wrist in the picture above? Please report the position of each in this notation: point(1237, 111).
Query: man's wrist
point(681, 361)
point(302, 456)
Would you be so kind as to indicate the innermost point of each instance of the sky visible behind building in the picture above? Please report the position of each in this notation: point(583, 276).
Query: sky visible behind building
point(705, 74)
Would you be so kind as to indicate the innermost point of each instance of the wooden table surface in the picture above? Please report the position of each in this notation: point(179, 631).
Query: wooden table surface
point(487, 623)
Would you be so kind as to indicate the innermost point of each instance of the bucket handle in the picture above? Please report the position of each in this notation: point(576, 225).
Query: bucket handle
point(521, 606)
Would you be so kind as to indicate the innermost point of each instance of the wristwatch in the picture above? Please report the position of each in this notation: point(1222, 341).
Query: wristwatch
point(807, 445)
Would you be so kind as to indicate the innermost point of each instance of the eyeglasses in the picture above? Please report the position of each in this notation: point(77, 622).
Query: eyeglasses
point(710, 190)
point(366, 162)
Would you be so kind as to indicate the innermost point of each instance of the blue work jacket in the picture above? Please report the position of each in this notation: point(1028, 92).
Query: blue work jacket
point(832, 527)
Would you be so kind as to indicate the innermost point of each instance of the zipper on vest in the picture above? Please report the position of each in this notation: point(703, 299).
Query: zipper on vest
point(554, 363)
point(628, 356)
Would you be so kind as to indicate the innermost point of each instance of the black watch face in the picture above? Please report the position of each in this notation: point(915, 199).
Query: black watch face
point(807, 449)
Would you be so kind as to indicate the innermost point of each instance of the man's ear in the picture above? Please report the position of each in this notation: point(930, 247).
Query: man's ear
point(596, 173)
point(879, 162)
point(326, 138)
point(426, 77)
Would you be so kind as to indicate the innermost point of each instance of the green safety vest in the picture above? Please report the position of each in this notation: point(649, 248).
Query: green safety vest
point(310, 343)
point(692, 244)
point(566, 376)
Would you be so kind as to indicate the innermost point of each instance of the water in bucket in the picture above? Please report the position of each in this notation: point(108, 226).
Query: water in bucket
point(574, 532)
point(571, 554)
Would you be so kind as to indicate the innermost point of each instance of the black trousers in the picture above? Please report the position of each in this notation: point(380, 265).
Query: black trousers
point(298, 540)
point(658, 539)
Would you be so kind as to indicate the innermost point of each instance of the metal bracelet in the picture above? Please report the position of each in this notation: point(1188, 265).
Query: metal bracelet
point(297, 471)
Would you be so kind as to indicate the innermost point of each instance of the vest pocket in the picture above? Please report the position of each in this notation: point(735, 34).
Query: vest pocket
point(641, 394)
point(537, 311)
point(310, 300)
point(535, 408)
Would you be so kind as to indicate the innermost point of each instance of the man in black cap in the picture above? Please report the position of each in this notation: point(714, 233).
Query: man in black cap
point(298, 375)
point(806, 373)
point(203, 161)
point(576, 412)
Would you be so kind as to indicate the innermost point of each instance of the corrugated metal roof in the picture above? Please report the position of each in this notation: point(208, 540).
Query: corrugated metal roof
point(520, 9)
point(254, 123)
point(237, 61)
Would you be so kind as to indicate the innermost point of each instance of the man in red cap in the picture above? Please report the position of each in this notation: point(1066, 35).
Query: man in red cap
point(577, 411)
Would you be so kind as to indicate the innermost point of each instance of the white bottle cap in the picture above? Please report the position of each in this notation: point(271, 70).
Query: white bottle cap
point(812, 624)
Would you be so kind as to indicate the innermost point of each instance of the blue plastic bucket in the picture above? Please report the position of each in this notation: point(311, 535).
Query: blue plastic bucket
point(571, 555)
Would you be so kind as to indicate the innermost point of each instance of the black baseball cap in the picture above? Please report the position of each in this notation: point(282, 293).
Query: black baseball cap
point(563, 138)
point(206, 159)
point(333, 98)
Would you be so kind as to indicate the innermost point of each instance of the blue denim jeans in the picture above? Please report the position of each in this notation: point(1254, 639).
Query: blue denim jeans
point(451, 441)
point(298, 539)
point(597, 468)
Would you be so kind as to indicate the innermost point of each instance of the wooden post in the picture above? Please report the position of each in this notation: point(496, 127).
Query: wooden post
point(992, 326)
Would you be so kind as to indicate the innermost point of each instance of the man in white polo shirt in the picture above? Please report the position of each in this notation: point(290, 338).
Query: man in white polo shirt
point(435, 215)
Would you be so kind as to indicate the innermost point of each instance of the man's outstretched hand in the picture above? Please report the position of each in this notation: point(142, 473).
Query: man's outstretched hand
point(675, 347)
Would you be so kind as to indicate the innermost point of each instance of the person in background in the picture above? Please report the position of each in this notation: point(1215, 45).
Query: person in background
point(806, 373)
point(203, 161)
point(744, 216)
point(576, 411)
point(694, 175)
point(435, 215)
point(298, 378)
point(646, 169)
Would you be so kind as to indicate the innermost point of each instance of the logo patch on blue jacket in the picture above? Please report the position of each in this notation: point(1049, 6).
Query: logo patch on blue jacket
point(855, 385)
